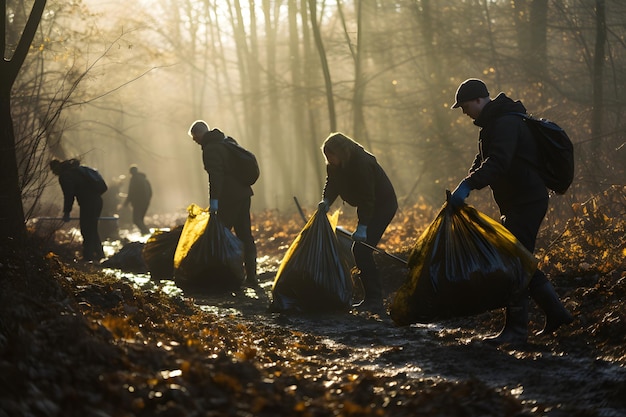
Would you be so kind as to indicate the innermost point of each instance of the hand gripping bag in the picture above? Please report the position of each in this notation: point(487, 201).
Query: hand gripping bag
point(208, 257)
point(313, 276)
point(464, 263)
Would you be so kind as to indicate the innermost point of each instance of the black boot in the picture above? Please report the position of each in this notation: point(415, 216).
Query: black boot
point(515, 331)
point(373, 295)
point(250, 265)
point(548, 300)
point(251, 277)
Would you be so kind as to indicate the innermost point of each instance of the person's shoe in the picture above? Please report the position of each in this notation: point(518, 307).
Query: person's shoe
point(252, 282)
point(515, 331)
point(373, 306)
point(556, 314)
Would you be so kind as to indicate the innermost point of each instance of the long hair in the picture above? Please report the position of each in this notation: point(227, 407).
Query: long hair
point(341, 146)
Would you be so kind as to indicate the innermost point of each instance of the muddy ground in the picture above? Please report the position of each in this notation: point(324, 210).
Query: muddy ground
point(80, 340)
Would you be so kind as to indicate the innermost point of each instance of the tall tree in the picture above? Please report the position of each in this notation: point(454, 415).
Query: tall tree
point(598, 67)
point(359, 127)
point(11, 208)
point(330, 100)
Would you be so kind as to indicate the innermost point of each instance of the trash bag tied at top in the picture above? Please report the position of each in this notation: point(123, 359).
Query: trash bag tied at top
point(464, 263)
point(208, 257)
point(313, 276)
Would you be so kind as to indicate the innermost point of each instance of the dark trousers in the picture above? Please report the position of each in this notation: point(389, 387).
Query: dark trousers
point(139, 212)
point(236, 215)
point(524, 222)
point(364, 257)
point(90, 211)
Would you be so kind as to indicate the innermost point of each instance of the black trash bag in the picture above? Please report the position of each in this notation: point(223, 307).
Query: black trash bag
point(313, 276)
point(158, 252)
point(128, 259)
point(209, 257)
point(345, 249)
point(464, 263)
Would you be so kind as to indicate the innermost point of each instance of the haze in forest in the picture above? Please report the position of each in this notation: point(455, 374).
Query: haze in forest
point(279, 79)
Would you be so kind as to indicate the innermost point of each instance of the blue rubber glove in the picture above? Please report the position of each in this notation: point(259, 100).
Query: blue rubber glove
point(460, 193)
point(360, 234)
point(213, 205)
point(323, 205)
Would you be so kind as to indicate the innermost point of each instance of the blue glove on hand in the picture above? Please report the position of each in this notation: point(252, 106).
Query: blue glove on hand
point(360, 234)
point(213, 205)
point(323, 205)
point(460, 193)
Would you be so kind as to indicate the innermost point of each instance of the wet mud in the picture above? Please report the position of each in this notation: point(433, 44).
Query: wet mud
point(558, 375)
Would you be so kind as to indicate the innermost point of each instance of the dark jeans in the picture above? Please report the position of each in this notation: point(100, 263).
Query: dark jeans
point(236, 215)
point(364, 257)
point(524, 222)
point(139, 212)
point(90, 210)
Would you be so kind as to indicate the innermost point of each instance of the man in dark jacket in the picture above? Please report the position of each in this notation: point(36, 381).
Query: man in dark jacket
point(75, 184)
point(139, 196)
point(225, 191)
point(505, 162)
point(353, 174)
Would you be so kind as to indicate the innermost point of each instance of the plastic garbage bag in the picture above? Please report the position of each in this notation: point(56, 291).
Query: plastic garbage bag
point(128, 259)
point(313, 276)
point(208, 257)
point(464, 263)
point(158, 252)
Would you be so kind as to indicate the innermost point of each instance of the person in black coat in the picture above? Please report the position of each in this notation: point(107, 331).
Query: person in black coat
point(226, 193)
point(354, 174)
point(75, 185)
point(506, 162)
point(139, 196)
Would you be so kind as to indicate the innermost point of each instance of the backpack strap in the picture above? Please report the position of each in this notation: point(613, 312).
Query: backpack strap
point(520, 114)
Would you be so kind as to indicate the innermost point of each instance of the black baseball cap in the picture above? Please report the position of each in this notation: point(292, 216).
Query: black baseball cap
point(470, 89)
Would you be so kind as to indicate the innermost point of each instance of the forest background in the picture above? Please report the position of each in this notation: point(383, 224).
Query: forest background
point(116, 83)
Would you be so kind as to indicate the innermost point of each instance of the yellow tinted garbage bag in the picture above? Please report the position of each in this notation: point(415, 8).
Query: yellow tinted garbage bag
point(208, 257)
point(158, 252)
point(464, 263)
point(312, 276)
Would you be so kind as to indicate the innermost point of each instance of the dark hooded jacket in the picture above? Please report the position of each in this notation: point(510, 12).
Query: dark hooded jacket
point(139, 190)
point(217, 163)
point(75, 185)
point(361, 182)
point(507, 156)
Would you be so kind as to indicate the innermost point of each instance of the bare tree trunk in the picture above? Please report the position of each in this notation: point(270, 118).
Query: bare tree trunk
point(311, 130)
point(531, 21)
point(538, 51)
point(598, 70)
point(12, 224)
point(436, 82)
point(223, 80)
point(250, 83)
point(281, 175)
point(298, 103)
point(359, 128)
point(330, 101)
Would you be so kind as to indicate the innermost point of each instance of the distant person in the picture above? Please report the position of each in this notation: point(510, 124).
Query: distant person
point(506, 163)
point(232, 196)
point(353, 174)
point(139, 196)
point(75, 184)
